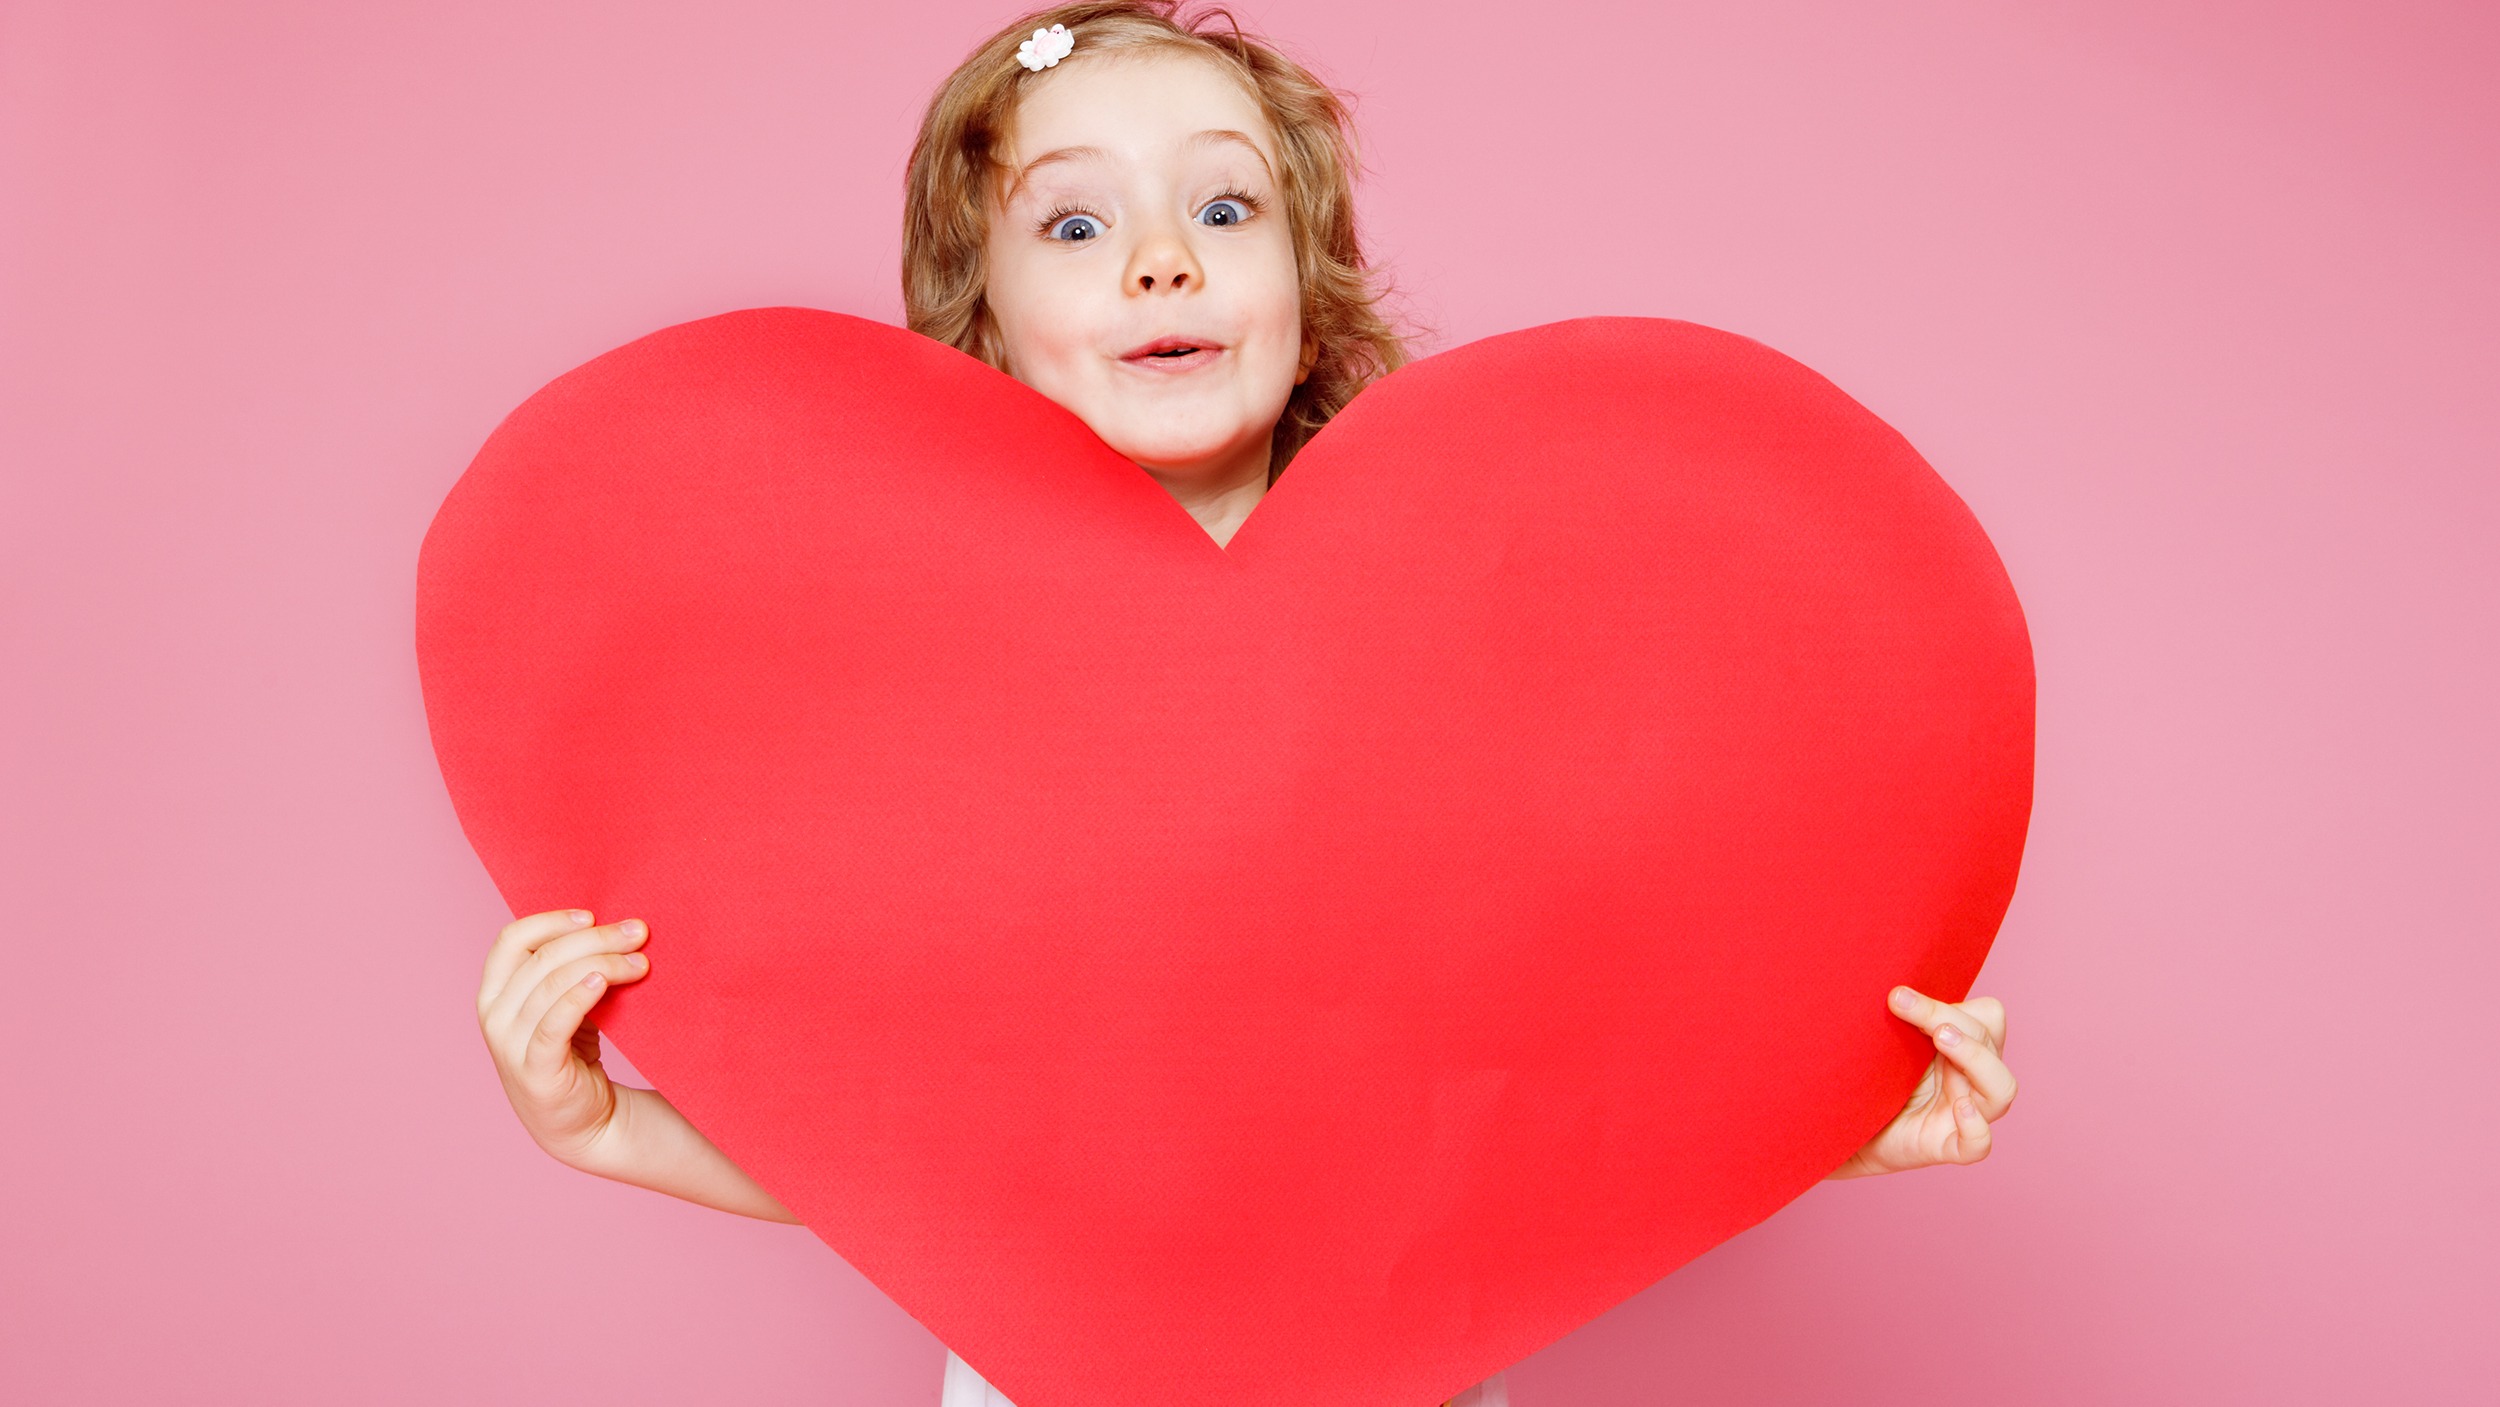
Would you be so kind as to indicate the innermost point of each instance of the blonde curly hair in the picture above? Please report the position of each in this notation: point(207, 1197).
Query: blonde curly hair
point(948, 188)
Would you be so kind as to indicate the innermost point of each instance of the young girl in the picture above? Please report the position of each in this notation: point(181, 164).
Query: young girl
point(1149, 219)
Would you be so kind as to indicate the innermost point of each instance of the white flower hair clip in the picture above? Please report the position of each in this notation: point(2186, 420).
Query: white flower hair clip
point(1046, 48)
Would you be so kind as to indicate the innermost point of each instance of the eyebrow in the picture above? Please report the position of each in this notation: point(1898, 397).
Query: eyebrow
point(1211, 137)
point(1215, 135)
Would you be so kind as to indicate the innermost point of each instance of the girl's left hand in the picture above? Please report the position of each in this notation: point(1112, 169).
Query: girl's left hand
point(1966, 1089)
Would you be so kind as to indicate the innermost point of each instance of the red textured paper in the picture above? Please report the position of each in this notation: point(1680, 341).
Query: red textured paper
point(1322, 970)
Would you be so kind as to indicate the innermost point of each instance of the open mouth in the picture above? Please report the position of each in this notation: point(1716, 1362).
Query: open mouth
point(1165, 353)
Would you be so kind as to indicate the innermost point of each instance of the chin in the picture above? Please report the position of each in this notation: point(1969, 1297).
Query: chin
point(1176, 449)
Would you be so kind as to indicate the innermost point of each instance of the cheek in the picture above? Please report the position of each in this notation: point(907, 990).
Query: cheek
point(1044, 323)
point(1276, 297)
point(1279, 342)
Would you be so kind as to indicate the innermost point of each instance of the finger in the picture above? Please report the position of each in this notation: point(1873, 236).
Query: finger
point(554, 953)
point(1929, 1014)
point(612, 968)
point(1955, 1085)
point(1918, 1008)
point(1981, 1068)
point(1990, 1013)
point(1929, 1081)
point(1971, 1135)
point(550, 1044)
point(514, 944)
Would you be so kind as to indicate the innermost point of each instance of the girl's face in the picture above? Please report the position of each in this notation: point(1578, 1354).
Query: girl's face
point(1140, 265)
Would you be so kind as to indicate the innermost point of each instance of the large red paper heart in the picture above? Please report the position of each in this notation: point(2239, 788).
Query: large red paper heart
point(1323, 969)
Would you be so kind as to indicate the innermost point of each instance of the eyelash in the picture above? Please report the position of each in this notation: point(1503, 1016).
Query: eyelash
point(1256, 206)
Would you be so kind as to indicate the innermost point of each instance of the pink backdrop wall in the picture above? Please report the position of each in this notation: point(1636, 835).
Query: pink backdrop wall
point(2196, 305)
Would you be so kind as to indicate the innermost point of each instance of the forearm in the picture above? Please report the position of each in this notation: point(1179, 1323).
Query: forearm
point(1855, 1167)
point(651, 1145)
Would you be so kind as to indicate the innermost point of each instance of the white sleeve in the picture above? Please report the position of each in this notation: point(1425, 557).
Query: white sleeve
point(966, 1388)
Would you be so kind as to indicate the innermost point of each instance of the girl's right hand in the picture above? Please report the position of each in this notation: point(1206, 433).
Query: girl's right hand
point(543, 975)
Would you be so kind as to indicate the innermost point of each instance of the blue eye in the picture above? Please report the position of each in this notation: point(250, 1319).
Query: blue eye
point(1226, 211)
point(1076, 227)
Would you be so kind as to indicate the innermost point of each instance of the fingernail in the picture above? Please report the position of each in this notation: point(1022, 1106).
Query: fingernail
point(594, 979)
point(1949, 1035)
point(637, 961)
point(1901, 998)
point(581, 915)
point(632, 928)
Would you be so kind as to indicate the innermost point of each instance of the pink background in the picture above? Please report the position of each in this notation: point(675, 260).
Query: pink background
point(2197, 306)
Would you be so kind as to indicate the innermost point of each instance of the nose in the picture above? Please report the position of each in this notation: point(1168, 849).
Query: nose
point(1162, 263)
